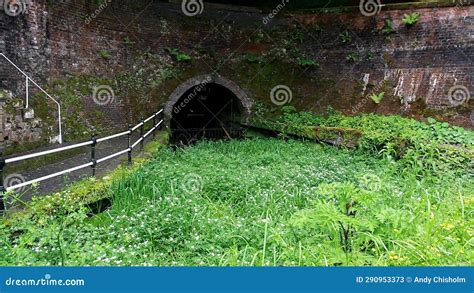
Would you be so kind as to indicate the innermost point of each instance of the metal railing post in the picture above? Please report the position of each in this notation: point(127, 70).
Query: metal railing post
point(129, 144)
point(60, 124)
point(161, 117)
point(142, 134)
point(27, 92)
point(93, 160)
point(2, 187)
point(154, 123)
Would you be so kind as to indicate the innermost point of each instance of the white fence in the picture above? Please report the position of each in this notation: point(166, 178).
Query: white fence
point(93, 162)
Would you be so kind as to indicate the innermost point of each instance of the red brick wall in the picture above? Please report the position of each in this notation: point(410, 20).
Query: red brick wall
point(420, 63)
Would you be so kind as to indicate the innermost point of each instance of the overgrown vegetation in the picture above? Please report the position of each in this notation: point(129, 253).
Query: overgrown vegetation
point(398, 199)
point(72, 91)
point(430, 148)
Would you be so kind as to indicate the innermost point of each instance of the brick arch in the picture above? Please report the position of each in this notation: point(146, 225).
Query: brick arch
point(245, 101)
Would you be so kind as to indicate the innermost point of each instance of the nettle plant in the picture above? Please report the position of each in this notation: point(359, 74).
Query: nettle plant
point(340, 213)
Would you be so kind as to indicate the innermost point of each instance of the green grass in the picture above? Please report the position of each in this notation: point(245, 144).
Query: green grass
point(260, 202)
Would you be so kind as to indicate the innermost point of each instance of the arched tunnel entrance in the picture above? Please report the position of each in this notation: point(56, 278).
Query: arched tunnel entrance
point(207, 107)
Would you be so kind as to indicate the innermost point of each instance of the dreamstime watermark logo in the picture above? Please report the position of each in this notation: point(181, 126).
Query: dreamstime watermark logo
point(458, 12)
point(458, 95)
point(47, 280)
point(103, 95)
point(197, 89)
point(93, 15)
point(370, 7)
point(13, 180)
point(281, 95)
point(15, 7)
point(192, 7)
point(192, 183)
point(275, 11)
point(460, 3)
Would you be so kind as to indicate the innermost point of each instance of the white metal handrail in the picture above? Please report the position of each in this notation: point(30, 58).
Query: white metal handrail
point(146, 135)
point(90, 164)
point(136, 143)
point(149, 118)
point(137, 126)
point(153, 129)
point(28, 79)
point(48, 177)
point(113, 136)
point(74, 146)
point(113, 155)
point(44, 153)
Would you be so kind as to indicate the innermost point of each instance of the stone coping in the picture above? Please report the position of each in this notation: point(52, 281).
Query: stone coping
point(391, 6)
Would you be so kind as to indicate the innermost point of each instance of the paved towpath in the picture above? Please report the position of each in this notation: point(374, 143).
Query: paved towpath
point(103, 149)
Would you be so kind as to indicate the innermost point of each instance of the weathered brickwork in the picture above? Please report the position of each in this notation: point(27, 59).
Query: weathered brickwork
point(17, 125)
point(416, 65)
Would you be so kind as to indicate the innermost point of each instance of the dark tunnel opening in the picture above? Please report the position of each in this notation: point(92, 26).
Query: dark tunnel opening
point(209, 111)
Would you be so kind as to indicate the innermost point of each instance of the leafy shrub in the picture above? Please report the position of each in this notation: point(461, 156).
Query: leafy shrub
point(432, 147)
point(375, 220)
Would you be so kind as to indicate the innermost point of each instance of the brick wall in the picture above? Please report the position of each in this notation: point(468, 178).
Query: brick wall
point(423, 61)
point(419, 64)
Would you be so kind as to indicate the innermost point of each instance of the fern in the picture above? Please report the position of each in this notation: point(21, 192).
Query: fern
point(389, 27)
point(411, 19)
point(377, 98)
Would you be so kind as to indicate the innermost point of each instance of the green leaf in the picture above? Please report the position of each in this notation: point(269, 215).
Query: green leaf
point(377, 98)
